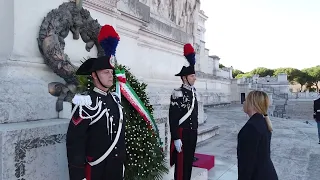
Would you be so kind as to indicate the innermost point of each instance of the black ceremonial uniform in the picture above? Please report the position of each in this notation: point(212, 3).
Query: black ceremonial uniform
point(87, 142)
point(95, 137)
point(316, 109)
point(181, 102)
point(183, 120)
point(316, 114)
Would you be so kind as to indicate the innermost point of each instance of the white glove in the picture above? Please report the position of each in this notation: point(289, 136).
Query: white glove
point(84, 179)
point(178, 145)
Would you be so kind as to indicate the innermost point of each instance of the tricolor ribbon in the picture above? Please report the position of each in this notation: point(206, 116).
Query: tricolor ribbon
point(124, 88)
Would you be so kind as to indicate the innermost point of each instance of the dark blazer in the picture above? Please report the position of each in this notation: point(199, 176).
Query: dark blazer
point(253, 151)
point(316, 109)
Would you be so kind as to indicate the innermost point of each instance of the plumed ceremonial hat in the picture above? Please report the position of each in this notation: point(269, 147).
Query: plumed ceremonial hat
point(108, 39)
point(189, 53)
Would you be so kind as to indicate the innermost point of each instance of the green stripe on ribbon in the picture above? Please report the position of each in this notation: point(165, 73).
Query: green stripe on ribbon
point(135, 101)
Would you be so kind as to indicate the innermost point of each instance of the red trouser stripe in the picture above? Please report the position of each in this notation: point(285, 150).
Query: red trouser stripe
point(171, 152)
point(88, 169)
point(180, 159)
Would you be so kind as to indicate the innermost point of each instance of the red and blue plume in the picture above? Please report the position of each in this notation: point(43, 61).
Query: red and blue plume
point(108, 39)
point(188, 52)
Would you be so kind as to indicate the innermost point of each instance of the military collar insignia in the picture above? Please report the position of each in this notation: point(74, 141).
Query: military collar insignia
point(99, 91)
point(187, 87)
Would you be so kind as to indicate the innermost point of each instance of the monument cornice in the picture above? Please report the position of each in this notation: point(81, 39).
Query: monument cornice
point(127, 32)
point(25, 64)
point(108, 7)
point(157, 46)
point(160, 37)
point(130, 19)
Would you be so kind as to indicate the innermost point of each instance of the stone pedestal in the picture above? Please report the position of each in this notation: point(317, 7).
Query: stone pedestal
point(32, 139)
point(34, 150)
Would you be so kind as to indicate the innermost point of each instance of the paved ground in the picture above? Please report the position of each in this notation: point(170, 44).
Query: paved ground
point(295, 149)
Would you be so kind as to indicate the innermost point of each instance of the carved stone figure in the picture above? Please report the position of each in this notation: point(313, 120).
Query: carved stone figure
point(144, 1)
point(181, 12)
point(53, 30)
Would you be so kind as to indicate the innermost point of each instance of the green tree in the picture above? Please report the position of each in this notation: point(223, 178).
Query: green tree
point(292, 73)
point(246, 75)
point(221, 66)
point(302, 79)
point(314, 73)
point(235, 72)
point(262, 72)
point(309, 86)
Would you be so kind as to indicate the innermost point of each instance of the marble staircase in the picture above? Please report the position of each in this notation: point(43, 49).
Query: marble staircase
point(279, 101)
point(207, 130)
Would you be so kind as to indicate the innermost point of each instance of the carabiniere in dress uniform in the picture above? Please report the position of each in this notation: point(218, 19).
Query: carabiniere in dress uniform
point(95, 137)
point(316, 113)
point(183, 119)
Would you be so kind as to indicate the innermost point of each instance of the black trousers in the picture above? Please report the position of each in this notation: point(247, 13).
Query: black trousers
point(109, 169)
point(184, 160)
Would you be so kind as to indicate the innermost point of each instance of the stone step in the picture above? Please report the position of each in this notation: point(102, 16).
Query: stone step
point(207, 131)
point(197, 174)
point(277, 102)
point(217, 105)
point(205, 117)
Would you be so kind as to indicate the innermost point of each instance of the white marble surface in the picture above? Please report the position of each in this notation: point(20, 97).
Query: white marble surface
point(24, 92)
point(34, 150)
point(199, 174)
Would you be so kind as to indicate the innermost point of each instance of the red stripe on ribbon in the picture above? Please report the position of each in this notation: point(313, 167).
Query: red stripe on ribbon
point(133, 103)
point(122, 79)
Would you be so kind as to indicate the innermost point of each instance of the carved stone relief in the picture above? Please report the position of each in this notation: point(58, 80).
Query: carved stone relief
point(180, 12)
point(112, 3)
point(146, 2)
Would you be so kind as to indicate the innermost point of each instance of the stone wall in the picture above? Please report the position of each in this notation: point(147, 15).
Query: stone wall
point(303, 95)
point(224, 72)
point(300, 109)
point(34, 150)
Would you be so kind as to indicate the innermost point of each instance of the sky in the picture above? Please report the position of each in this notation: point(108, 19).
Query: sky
point(247, 34)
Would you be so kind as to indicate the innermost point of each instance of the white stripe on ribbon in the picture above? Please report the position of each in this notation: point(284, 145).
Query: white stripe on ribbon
point(126, 88)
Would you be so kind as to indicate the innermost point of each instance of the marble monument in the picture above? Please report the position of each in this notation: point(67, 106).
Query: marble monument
point(32, 131)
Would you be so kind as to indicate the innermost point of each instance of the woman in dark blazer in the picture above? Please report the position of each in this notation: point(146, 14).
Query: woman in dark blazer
point(253, 151)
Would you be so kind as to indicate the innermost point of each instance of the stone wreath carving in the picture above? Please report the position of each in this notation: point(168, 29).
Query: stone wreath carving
point(53, 30)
